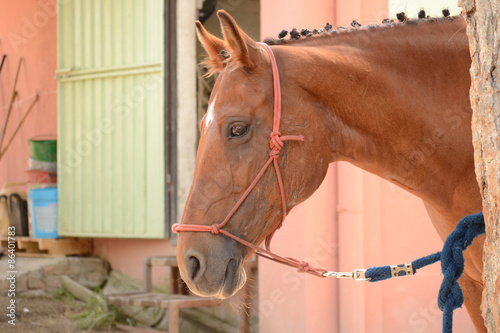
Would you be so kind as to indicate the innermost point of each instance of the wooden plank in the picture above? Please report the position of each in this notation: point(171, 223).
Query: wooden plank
point(137, 329)
point(161, 300)
point(38, 255)
point(164, 261)
point(27, 245)
point(173, 319)
point(47, 247)
point(69, 246)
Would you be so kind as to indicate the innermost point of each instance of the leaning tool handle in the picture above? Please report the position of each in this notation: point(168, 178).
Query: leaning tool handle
point(11, 103)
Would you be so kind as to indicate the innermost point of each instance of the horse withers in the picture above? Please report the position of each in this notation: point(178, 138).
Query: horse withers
point(391, 99)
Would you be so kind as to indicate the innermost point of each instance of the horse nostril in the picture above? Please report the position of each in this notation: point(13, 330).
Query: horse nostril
point(194, 264)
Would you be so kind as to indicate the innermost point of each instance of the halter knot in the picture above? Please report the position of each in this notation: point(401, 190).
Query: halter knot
point(275, 143)
point(215, 228)
point(303, 267)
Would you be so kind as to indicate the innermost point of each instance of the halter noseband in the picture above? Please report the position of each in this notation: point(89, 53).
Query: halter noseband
point(275, 144)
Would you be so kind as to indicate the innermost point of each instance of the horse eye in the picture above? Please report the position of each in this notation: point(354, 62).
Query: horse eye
point(238, 130)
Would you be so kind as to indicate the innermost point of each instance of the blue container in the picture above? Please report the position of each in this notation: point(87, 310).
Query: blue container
point(42, 206)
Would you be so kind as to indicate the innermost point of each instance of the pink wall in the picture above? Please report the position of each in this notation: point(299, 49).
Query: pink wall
point(278, 15)
point(292, 302)
point(355, 220)
point(28, 31)
point(126, 255)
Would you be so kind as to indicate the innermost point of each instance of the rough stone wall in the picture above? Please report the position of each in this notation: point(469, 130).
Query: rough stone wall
point(45, 273)
point(483, 29)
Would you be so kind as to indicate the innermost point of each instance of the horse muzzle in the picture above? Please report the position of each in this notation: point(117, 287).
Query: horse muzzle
point(211, 276)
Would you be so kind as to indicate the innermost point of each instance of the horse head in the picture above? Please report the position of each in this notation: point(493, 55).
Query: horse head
point(234, 145)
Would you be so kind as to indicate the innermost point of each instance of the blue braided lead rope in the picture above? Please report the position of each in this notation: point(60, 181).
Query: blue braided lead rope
point(450, 295)
point(381, 273)
point(452, 265)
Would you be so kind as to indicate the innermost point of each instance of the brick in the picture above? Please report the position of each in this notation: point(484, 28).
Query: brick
point(58, 270)
point(93, 279)
point(36, 283)
point(94, 265)
point(52, 282)
point(22, 283)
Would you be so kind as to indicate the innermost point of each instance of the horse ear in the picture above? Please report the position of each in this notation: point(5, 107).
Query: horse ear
point(242, 48)
point(214, 47)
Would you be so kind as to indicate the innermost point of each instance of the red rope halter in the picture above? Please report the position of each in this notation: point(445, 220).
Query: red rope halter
point(276, 143)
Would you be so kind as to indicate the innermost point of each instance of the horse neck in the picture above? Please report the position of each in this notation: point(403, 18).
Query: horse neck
point(394, 102)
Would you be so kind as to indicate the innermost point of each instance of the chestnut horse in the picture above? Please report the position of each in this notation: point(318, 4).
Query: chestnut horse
point(391, 99)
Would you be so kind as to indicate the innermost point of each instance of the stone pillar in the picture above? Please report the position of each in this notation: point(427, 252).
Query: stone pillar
point(483, 29)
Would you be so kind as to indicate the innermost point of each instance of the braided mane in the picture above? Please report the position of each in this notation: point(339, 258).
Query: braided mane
point(306, 35)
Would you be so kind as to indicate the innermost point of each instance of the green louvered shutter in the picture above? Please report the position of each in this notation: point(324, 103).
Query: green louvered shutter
point(111, 141)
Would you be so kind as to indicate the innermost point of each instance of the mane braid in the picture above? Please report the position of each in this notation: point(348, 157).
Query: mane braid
point(329, 31)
